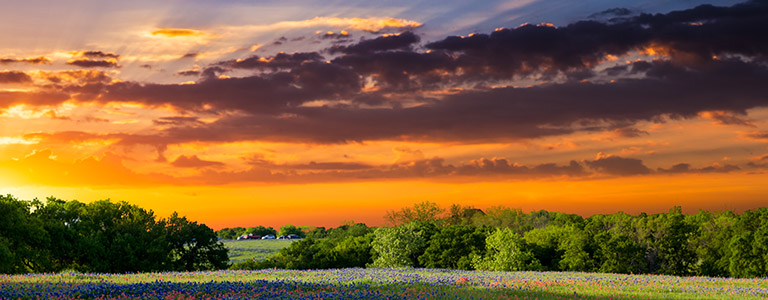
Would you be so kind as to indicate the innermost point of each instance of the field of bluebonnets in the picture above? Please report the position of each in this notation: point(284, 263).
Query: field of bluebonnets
point(375, 284)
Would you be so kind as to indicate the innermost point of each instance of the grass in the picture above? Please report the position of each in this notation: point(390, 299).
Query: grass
point(377, 284)
point(254, 249)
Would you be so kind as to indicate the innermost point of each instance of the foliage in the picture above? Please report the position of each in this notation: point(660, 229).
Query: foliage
point(506, 251)
point(423, 212)
point(400, 247)
point(102, 236)
point(290, 229)
point(453, 247)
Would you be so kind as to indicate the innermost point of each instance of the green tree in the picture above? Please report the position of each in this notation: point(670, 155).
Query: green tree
point(290, 229)
point(618, 253)
point(453, 246)
point(260, 231)
point(574, 246)
point(423, 212)
point(748, 248)
point(193, 246)
point(505, 251)
point(23, 240)
point(400, 247)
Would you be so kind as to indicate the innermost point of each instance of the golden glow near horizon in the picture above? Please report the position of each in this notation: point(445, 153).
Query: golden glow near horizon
point(239, 115)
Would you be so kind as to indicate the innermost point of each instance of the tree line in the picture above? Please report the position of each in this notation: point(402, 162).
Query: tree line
point(102, 236)
point(722, 244)
point(116, 237)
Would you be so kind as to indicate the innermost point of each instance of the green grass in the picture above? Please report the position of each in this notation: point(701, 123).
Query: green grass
point(254, 249)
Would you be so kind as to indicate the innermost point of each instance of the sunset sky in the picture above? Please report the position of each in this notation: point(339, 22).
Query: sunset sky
point(241, 113)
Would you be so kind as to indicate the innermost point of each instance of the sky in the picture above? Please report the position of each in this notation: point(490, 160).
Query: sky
point(244, 113)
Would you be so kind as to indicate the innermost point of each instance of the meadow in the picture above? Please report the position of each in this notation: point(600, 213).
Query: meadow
point(375, 284)
point(253, 249)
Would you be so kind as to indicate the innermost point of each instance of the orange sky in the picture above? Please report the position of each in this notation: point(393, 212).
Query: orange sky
point(317, 117)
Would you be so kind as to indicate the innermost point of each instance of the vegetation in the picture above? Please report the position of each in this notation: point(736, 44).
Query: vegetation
point(102, 236)
point(504, 239)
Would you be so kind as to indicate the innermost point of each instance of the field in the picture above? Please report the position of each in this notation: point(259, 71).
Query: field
point(376, 284)
point(254, 249)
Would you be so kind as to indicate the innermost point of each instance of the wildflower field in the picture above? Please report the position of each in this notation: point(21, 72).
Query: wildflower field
point(375, 284)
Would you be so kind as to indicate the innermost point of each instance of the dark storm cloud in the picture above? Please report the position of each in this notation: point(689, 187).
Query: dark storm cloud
point(88, 63)
point(701, 32)
point(258, 94)
point(497, 114)
point(466, 103)
point(14, 77)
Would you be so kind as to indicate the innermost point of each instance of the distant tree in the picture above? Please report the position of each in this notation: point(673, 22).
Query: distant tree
point(230, 233)
point(317, 233)
point(505, 251)
point(504, 217)
point(290, 229)
point(453, 246)
point(400, 247)
point(193, 246)
point(260, 231)
point(423, 212)
point(462, 215)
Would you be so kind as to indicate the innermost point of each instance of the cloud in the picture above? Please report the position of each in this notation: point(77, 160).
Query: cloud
point(98, 54)
point(373, 24)
point(178, 32)
point(402, 41)
point(279, 61)
point(33, 98)
point(686, 168)
point(14, 77)
point(31, 60)
point(615, 165)
point(89, 63)
point(194, 162)
point(727, 118)
point(341, 35)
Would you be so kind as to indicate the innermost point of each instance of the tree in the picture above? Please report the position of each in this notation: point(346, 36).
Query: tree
point(748, 248)
point(23, 240)
point(400, 247)
point(506, 251)
point(193, 246)
point(423, 212)
point(574, 247)
point(260, 230)
point(618, 253)
point(290, 229)
point(453, 246)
